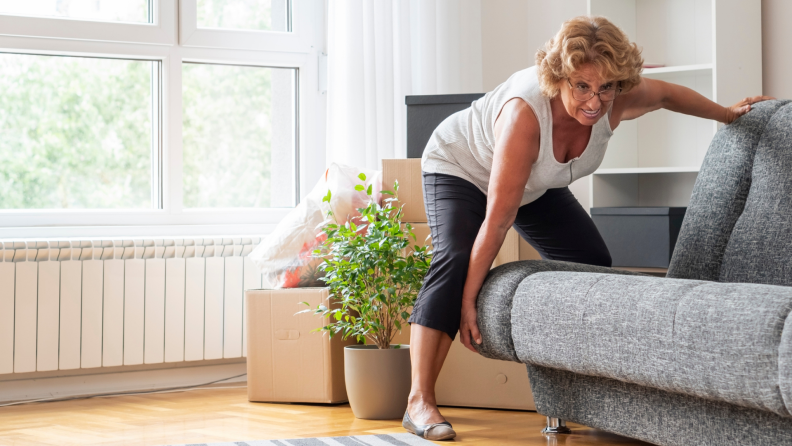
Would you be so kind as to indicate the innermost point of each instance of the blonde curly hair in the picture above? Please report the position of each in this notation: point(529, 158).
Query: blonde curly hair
point(593, 40)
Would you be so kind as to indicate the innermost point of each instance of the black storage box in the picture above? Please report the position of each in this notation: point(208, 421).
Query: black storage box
point(426, 112)
point(639, 236)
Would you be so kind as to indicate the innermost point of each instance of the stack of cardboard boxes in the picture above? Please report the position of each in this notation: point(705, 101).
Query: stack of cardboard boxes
point(467, 379)
point(289, 363)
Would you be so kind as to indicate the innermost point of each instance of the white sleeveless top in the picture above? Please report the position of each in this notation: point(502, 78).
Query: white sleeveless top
point(463, 144)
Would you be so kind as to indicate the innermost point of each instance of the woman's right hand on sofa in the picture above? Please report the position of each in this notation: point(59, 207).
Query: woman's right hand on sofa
point(468, 327)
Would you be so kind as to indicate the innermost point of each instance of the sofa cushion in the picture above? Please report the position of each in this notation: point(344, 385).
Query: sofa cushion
point(716, 341)
point(719, 195)
point(760, 247)
point(494, 302)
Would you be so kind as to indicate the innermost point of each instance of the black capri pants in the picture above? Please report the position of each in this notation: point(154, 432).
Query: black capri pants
point(556, 225)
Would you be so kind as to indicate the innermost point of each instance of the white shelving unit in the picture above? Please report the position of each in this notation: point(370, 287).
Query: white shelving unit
point(711, 46)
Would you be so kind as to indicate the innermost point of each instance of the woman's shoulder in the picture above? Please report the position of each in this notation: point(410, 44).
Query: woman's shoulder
point(519, 111)
point(524, 84)
point(524, 80)
point(518, 114)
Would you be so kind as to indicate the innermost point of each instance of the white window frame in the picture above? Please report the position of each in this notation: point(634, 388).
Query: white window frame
point(294, 41)
point(161, 32)
point(145, 42)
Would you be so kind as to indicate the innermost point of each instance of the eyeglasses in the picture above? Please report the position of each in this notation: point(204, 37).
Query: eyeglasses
point(583, 94)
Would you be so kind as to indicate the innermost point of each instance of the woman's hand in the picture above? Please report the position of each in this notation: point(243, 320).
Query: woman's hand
point(742, 107)
point(468, 327)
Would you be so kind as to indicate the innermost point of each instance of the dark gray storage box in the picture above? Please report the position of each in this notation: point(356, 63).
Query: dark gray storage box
point(426, 112)
point(639, 236)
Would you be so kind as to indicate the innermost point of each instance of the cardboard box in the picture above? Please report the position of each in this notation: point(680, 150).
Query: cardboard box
point(527, 252)
point(510, 250)
point(408, 172)
point(286, 362)
point(423, 234)
point(471, 380)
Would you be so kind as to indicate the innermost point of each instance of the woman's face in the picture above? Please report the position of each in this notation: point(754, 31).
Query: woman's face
point(590, 111)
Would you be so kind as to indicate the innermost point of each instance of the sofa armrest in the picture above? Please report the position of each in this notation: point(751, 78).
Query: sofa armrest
point(720, 341)
point(494, 302)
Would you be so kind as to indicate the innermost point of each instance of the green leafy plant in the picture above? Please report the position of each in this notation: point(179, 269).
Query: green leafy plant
point(373, 272)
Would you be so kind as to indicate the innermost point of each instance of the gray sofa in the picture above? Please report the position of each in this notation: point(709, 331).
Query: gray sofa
point(702, 357)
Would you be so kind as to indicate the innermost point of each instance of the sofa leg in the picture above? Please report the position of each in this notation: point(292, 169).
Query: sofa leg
point(556, 426)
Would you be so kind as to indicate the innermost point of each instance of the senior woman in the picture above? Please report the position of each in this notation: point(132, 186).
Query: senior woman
point(507, 160)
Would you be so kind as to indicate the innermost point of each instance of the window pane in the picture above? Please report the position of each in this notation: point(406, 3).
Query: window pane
point(259, 15)
point(136, 11)
point(238, 136)
point(75, 132)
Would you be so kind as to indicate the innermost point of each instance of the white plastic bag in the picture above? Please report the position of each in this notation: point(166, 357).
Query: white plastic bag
point(285, 256)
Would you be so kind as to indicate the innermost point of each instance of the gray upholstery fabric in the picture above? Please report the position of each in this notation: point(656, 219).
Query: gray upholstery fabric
point(785, 364)
point(716, 341)
point(760, 247)
point(494, 303)
point(719, 195)
point(652, 415)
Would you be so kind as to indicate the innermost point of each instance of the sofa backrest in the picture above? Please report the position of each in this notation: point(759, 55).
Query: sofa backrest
point(738, 226)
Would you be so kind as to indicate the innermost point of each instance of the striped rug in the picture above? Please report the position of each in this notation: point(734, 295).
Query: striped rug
point(363, 440)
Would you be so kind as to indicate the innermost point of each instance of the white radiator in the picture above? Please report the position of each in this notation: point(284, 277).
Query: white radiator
point(102, 303)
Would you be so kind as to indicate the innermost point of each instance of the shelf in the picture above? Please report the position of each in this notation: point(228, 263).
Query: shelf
point(677, 69)
point(654, 160)
point(634, 170)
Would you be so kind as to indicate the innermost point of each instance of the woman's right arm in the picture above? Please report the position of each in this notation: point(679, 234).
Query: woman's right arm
point(516, 150)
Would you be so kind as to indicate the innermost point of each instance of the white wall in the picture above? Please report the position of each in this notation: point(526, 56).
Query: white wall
point(508, 43)
point(776, 52)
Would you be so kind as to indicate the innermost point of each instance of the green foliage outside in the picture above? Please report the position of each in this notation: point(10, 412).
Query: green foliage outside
point(373, 273)
point(227, 134)
point(237, 14)
point(74, 133)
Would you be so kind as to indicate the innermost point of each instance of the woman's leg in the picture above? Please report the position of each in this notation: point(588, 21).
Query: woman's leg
point(455, 210)
point(428, 350)
point(559, 228)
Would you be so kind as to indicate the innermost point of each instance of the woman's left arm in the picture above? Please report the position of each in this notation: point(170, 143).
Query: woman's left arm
point(653, 94)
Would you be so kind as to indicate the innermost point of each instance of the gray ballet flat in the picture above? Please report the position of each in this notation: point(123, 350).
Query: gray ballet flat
point(431, 432)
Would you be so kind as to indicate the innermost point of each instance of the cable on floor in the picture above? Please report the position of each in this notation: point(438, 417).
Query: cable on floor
point(145, 392)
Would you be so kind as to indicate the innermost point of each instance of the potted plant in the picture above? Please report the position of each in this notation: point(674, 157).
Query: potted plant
point(374, 275)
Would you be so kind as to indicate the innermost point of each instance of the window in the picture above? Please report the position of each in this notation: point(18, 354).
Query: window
point(77, 132)
point(137, 11)
point(141, 116)
point(259, 15)
point(260, 25)
point(238, 136)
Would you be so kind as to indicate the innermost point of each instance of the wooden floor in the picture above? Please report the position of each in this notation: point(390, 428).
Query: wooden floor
point(226, 415)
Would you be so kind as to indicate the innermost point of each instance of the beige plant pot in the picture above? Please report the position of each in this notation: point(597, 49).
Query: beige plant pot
point(377, 381)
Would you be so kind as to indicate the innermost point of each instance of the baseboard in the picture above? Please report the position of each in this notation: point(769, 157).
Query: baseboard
point(86, 382)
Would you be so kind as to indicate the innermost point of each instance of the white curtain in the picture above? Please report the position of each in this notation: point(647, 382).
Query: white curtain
point(379, 51)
